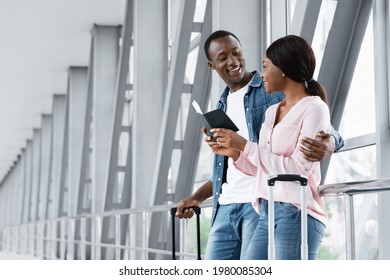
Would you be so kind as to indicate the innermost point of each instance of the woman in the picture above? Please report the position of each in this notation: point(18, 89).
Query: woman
point(288, 66)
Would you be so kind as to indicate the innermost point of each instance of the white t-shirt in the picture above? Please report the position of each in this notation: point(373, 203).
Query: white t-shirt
point(238, 187)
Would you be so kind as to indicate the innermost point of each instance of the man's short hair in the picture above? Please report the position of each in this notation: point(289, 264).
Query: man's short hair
point(214, 36)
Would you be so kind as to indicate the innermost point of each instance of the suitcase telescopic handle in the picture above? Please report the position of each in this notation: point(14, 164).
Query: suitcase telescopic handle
point(288, 178)
point(197, 212)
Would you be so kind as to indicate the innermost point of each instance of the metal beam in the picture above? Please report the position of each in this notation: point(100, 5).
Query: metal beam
point(57, 155)
point(151, 57)
point(172, 104)
point(305, 18)
point(63, 189)
point(21, 187)
point(105, 64)
point(84, 180)
point(105, 61)
point(382, 110)
point(35, 184)
point(188, 162)
point(123, 191)
point(253, 37)
point(192, 136)
point(46, 148)
point(35, 179)
point(150, 63)
point(346, 36)
point(170, 115)
point(84, 188)
point(120, 101)
point(58, 131)
point(359, 142)
point(43, 195)
point(279, 19)
point(26, 182)
point(77, 96)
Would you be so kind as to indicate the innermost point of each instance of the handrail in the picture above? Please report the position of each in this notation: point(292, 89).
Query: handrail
point(14, 237)
point(348, 190)
point(358, 187)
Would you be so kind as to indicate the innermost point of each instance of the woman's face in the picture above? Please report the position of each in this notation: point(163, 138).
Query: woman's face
point(273, 77)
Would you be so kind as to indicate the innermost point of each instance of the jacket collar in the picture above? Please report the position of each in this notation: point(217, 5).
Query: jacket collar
point(255, 82)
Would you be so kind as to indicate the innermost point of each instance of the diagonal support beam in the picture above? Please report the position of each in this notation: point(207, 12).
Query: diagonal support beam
point(114, 184)
point(305, 18)
point(346, 36)
point(170, 115)
point(337, 68)
point(192, 137)
point(382, 109)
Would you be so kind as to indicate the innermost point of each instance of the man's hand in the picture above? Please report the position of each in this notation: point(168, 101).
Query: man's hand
point(319, 148)
point(186, 203)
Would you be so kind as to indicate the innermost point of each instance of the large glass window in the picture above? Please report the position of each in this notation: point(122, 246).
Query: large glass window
point(351, 166)
point(357, 164)
point(359, 112)
point(324, 23)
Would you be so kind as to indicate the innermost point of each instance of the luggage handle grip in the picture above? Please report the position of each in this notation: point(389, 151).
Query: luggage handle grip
point(195, 208)
point(287, 177)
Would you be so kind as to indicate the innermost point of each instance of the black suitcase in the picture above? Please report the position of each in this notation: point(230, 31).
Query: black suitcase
point(197, 212)
point(271, 241)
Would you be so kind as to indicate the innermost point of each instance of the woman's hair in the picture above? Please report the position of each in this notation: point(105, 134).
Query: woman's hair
point(295, 58)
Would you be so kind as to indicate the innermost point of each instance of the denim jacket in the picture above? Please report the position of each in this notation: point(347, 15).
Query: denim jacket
point(256, 102)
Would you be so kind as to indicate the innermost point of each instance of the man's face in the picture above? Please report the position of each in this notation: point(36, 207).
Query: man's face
point(227, 58)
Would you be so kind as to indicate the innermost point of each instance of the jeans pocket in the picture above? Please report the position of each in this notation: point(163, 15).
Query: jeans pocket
point(319, 227)
point(288, 208)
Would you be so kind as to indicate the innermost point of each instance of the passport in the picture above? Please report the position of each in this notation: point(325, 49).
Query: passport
point(214, 119)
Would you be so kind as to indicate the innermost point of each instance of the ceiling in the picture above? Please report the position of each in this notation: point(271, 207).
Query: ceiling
point(40, 40)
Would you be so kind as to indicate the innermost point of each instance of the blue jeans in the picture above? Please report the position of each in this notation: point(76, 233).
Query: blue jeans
point(231, 232)
point(287, 234)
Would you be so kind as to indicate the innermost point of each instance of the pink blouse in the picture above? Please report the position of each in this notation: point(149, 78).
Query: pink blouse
point(278, 153)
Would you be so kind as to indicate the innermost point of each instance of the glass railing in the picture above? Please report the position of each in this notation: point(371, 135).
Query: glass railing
point(348, 190)
point(54, 239)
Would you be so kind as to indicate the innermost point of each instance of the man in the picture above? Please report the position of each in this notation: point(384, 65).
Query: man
point(245, 101)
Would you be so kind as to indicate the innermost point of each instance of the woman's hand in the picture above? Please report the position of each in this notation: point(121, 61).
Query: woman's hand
point(228, 143)
point(229, 139)
point(218, 148)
